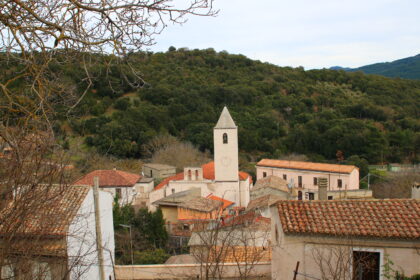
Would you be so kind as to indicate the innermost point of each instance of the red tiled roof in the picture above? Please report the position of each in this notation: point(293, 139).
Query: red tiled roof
point(394, 218)
point(226, 203)
point(208, 173)
point(109, 178)
point(303, 165)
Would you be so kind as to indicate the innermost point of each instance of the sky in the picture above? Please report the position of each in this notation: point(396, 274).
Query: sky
point(308, 33)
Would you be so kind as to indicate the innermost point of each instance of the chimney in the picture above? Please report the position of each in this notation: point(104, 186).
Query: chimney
point(415, 190)
point(322, 188)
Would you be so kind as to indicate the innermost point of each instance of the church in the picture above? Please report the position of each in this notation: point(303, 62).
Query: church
point(220, 177)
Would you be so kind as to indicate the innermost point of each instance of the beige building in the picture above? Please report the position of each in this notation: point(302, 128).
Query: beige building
point(345, 239)
point(305, 175)
point(158, 171)
point(220, 177)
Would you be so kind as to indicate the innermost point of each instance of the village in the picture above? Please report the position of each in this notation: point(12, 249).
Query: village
point(296, 220)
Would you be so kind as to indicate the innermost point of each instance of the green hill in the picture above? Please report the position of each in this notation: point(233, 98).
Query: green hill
point(279, 110)
point(407, 68)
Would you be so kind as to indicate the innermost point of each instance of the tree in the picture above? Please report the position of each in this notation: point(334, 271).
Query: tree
point(37, 38)
point(242, 240)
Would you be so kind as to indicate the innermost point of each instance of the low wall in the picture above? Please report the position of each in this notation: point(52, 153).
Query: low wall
point(186, 271)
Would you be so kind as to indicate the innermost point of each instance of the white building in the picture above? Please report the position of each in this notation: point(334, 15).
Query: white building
point(305, 175)
point(220, 177)
point(131, 188)
point(69, 236)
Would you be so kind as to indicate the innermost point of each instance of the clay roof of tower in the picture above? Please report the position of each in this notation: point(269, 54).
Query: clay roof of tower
point(225, 120)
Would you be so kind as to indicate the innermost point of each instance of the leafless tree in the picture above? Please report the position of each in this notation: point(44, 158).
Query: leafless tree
point(241, 240)
point(180, 155)
point(35, 37)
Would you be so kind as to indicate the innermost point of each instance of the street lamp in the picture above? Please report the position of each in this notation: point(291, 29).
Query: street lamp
point(131, 242)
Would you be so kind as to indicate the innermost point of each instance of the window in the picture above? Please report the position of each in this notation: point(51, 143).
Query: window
point(151, 173)
point(299, 181)
point(299, 195)
point(315, 181)
point(225, 138)
point(186, 227)
point(277, 235)
point(311, 196)
point(41, 270)
point(284, 177)
point(264, 174)
point(339, 183)
point(330, 197)
point(366, 265)
point(196, 174)
point(189, 174)
point(118, 191)
point(173, 190)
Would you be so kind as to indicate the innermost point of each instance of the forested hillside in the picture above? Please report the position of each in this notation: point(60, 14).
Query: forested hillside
point(407, 68)
point(279, 110)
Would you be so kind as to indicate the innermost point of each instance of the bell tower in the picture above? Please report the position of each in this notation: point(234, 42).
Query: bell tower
point(225, 135)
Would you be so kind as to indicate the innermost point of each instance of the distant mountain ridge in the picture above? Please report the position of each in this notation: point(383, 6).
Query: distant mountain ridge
point(407, 68)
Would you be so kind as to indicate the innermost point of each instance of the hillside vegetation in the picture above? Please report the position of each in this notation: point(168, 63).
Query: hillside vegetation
point(407, 68)
point(279, 110)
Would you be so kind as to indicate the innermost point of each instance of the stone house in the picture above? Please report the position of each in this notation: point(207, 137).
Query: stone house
point(270, 185)
point(305, 175)
point(158, 171)
point(344, 239)
point(70, 237)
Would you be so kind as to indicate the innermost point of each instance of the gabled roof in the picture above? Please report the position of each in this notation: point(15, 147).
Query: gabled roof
point(110, 178)
point(201, 204)
point(303, 165)
point(225, 120)
point(263, 201)
point(49, 218)
point(208, 173)
point(179, 197)
point(393, 218)
point(226, 203)
point(271, 182)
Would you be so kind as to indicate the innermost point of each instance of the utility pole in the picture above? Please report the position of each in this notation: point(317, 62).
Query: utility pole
point(98, 228)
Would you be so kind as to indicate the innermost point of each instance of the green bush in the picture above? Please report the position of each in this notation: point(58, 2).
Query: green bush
point(157, 256)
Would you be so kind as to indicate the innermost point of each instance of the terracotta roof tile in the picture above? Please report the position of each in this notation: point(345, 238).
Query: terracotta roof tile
point(110, 178)
point(208, 173)
point(394, 218)
point(303, 165)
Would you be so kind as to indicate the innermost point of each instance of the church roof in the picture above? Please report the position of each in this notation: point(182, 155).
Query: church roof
point(208, 173)
point(225, 120)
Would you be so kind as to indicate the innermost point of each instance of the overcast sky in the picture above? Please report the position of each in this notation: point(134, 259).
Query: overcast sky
point(308, 33)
